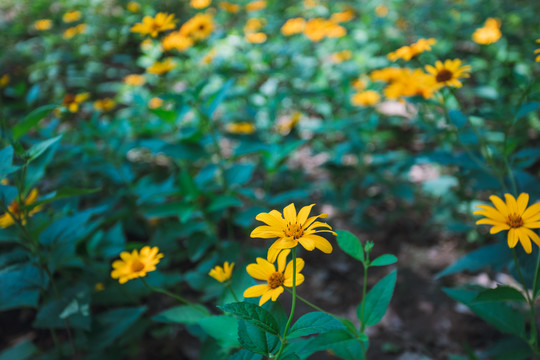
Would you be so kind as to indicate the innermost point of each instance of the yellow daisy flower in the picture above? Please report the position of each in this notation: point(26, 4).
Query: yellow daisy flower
point(199, 4)
point(366, 98)
point(222, 274)
point(71, 16)
point(449, 72)
point(72, 102)
point(133, 6)
point(155, 103)
point(343, 16)
point(198, 27)
point(134, 265)
point(4, 80)
point(537, 51)
point(408, 52)
point(293, 26)
point(134, 80)
point(15, 209)
point(276, 279)
point(514, 216)
point(291, 229)
point(255, 38)
point(161, 67)
point(381, 11)
point(243, 127)
point(341, 56)
point(154, 25)
point(489, 33)
point(104, 105)
point(256, 5)
point(43, 24)
point(227, 6)
point(176, 40)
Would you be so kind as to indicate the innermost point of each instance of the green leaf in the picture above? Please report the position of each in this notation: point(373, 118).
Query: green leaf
point(314, 323)
point(244, 355)
point(60, 194)
point(527, 108)
point(224, 201)
point(377, 300)
point(38, 149)
point(334, 339)
point(223, 328)
point(31, 120)
point(457, 118)
point(112, 324)
point(21, 351)
point(239, 174)
point(496, 255)
point(253, 314)
point(500, 293)
point(383, 260)
point(508, 348)
point(177, 208)
point(53, 314)
point(6, 160)
point(255, 339)
point(350, 245)
point(183, 314)
point(503, 317)
point(21, 286)
point(215, 100)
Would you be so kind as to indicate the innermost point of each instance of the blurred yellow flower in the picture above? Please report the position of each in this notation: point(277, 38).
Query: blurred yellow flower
point(147, 44)
point(408, 52)
point(71, 16)
point(134, 265)
point(286, 124)
point(388, 74)
point(255, 38)
point(293, 26)
point(315, 29)
point(222, 274)
point(161, 67)
point(409, 82)
point(343, 16)
point(275, 278)
point(242, 127)
point(310, 4)
point(515, 216)
point(401, 23)
point(256, 5)
point(292, 229)
point(16, 213)
point(4, 182)
point(381, 11)
point(104, 105)
point(366, 98)
point(198, 27)
point(154, 25)
point(200, 4)
point(227, 6)
point(134, 80)
point(42, 25)
point(537, 51)
point(341, 56)
point(155, 103)
point(72, 102)
point(207, 59)
point(4, 80)
point(489, 33)
point(360, 83)
point(334, 30)
point(449, 72)
point(99, 287)
point(176, 40)
point(254, 24)
point(75, 30)
point(133, 6)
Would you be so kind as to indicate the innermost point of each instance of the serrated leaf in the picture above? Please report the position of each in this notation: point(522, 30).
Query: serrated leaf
point(500, 293)
point(255, 339)
point(350, 244)
point(383, 260)
point(31, 120)
point(253, 314)
point(377, 300)
point(314, 323)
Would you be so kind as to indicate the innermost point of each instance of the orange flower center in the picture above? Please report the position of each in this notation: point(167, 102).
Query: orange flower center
point(444, 75)
point(137, 266)
point(514, 220)
point(15, 208)
point(276, 280)
point(294, 230)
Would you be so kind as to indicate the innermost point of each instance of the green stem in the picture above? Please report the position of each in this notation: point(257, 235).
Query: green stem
point(232, 291)
point(175, 296)
point(287, 326)
point(364, 291)
point(309, 303)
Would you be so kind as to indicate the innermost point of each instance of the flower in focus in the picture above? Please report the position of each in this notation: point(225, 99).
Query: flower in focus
point(71, 16)
point(155, 103)
point(449, 72)
point(227, 6)
point(275, 278)
point(537, 51)
point(42, 25)
point(256, 5)
point(341, 56)
point(408, 52)
point(176, 40)
point(381, 11)
point(133, 6)
point(343, 16)
point(75, 30)
point(515, 216)
point(293, 26)
point(134, 80)
point(16, 213)
point(4, 80)
point(161, 67)
point(366, 98)
point(222, 274)
point(154, 25)
point(104, 105)
point(291, 229)
point(134, 265)
point(243, 127)
point(198, 27)
point(489, 33)
point(199, 4)
point(72, 102)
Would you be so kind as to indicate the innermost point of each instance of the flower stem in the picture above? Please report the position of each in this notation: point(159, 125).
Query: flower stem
point(232, 291)
point(293, 305)
point(175, 296)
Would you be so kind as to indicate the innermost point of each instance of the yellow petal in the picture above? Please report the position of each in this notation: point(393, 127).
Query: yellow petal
point(276, 292)
point(321, 243)
point(307, 243)
point(534, 236)
point(532, 211)
point(290, 213)
point(500, 205)
point(524, 240)
point(282, 260)
point(512, 204)
point(265, 297)
point(512, 238)
point(270, 220)
point(256, 290)
point(262, 270)
point(489, 222)
point(289, 270)
point(490, 212)
point(303, 214)
point(498, 228)
point(532, 225)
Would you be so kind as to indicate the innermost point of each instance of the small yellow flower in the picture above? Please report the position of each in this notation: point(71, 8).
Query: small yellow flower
point(134, 265)
point(198, 27)
point(75, 30)
point(177, 41)
point(155, 103)
point(292, 229)
point(537, 51)
point(227, 6)
point(99, 287)
point(360, 83)
point(315, 29)
point(341, 56)
point(408, 52)
point(449, 72)
point(310, 4)
point(4, 182)
point(366, 98)
point(254, 24)
point(4, 80)
point(515, 216)
point(222, 274)
point(275, 278)
point(104, 105)
point(42, 24)
point(489, 33)
point(411, 82)
point(16, 213)
point(293, 26)
point(72, 102)
point(381, 11)
point(255, 38)
point(154, 25)
point(286, 124)
point(334, 30)
point(134, 80)
point(161, 67)
point(245, 128)
point(388, 74)
point(71, 16)
point(343, 16)
point(207, 59)
point(256, 5)
point(133, 6)
point(200, 4)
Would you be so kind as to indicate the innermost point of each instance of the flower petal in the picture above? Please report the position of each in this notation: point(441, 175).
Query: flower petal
point(256, 290)
point(307, 243)
point(534, 236)
point(511, 202)
point(261, 270)
point(498, 228)
point(289, 269)
point(265, 297)
point(282, 260)
point(270, 220)
point(303, 214)
point(524, 240)
point(532, 211)
point(500, 205)
point(276, 292)
point(290, 213)
point(522, 201)
point(490, 212)
point(320, 243)
point(512, 238)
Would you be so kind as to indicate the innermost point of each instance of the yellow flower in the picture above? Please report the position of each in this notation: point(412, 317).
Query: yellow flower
point(146, 44)
point(72, 102)
point(4, 182)
point(134, 265)
point(334, 30)
point(176, 40)
point(134, 80)
point(537, 51)
point(388, 74)
point(133, 6)
point(276, 279)
point(161, 67)
point(99, 287)
point(71, 16)
point(104, 105)
point(310, 4)
point(254, 24)
point(227, 6)
point(341, 56)
point(222, 274)
point(199, 4)
point(240, 128)
point(291, 229)
point(286, 124)
point(155, 103)
point(198, 27)
point(408, 52)
point(42, 25)
point(366, 98)
point(256, 5)
point(449, 72)
point(343, 16)
point(255, 38)
point(381, 11)
point(154, 25)
point(315, 29)
point(75, 30)
point(293, 26)
point(413, 82)
point(490, 33)
point(4, 80)
point(207, 59)
point(513, 216)
point(360, 83)
point(17, 213)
